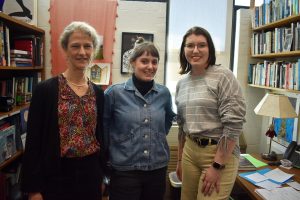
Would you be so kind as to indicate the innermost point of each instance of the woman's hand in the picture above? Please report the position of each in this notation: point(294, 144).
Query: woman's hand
point(211, 181)
point(35, 196)
point(179, 170)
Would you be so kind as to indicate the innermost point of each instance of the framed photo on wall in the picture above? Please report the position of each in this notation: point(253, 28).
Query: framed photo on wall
point(99, 73)
point(287, 129)
point(129, 41)
point(25, 10)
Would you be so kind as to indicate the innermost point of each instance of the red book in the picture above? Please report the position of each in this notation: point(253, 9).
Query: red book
point(25, 45)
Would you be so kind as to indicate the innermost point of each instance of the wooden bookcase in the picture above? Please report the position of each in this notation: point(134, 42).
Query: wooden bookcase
point(9, 74)
point(270, 56)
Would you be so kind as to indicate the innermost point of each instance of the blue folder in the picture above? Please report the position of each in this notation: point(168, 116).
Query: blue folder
point(262, 172)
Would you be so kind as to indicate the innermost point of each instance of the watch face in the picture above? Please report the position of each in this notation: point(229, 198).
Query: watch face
point(218, 166)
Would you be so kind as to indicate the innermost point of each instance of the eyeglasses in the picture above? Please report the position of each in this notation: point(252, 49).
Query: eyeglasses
point(191, 46)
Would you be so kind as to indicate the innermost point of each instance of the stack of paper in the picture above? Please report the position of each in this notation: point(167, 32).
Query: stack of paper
point(245, 164)
point(248, 162)
point(267, 178)
point(286, 193)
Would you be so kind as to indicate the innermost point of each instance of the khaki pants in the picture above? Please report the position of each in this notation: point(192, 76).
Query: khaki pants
point(195, 161)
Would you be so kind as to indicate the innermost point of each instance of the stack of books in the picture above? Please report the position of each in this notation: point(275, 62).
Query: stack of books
point(245, 164)
point(21, 58)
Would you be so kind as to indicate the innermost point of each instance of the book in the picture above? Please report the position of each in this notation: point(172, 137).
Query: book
point(29, 60)
point(245, 164)
point(18, 51)
point(17, 55)
point(24, 118)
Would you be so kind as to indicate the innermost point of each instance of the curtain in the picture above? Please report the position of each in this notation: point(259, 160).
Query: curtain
point(101, 14)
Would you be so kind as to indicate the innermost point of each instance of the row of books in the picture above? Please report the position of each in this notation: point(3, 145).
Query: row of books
point(20, 88)
point(277, 74)
point(278, 40)
point(274, 10)
point(20, 50)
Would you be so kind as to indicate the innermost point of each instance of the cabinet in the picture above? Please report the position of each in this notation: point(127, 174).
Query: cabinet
point(275, 45)
point(19, 71)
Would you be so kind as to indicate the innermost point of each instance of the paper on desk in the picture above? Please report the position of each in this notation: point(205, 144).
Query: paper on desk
point(286, 193)
point(254, 161)
point(256, 177)
point(268, 185)
point(278, 175)
point(294, 184)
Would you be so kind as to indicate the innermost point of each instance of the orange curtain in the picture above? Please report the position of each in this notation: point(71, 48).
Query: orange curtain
point(101, 14)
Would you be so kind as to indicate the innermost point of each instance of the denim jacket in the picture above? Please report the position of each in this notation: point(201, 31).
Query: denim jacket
point(135, 126)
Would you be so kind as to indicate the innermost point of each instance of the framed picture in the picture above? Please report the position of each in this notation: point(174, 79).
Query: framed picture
point(129, 40)
point(99, 73)
point(287, 129)
point(25, 10)
point(7, 143)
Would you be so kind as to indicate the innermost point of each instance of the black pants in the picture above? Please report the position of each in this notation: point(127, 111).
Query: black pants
point(80, 180)
point(138, 185)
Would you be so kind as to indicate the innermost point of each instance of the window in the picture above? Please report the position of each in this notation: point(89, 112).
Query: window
point(183, 15)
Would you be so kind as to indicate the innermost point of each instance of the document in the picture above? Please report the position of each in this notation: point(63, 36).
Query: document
point(278, 175)
point(268, 185)
point(294, 184)
point(256, 177)
point(286, 193)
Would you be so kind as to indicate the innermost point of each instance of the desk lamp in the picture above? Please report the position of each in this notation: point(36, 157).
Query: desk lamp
point(275, 106)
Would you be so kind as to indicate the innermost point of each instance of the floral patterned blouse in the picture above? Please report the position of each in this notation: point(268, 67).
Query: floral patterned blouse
point(77, 119)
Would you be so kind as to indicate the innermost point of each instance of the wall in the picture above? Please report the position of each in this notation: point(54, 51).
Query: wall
point(43, 22)
point(141, 17)
point(222, 57)
point(253, 125)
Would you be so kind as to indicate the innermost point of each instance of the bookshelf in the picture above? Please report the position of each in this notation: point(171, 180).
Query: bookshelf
point(277, 66)
point(16, 80)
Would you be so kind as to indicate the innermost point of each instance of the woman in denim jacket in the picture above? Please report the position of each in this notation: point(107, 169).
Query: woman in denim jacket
point(137, 117)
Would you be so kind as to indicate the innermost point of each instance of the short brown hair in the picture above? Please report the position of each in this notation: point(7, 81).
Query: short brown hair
point(140, 49)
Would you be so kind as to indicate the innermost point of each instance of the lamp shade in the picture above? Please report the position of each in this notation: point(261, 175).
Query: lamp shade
point(275, 105)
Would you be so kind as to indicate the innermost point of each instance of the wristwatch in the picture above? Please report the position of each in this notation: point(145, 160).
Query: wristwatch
point(218, 166)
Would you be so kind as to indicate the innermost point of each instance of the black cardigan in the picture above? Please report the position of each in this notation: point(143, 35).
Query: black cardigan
point(42, 150)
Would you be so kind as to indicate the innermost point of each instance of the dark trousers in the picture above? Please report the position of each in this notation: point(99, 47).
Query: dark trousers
point(138, 185)
point(80, 180)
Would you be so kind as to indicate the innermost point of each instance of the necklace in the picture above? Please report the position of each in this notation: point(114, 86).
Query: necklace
point(77, 86)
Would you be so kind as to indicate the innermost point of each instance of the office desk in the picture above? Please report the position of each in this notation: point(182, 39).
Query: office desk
point(249, 187)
